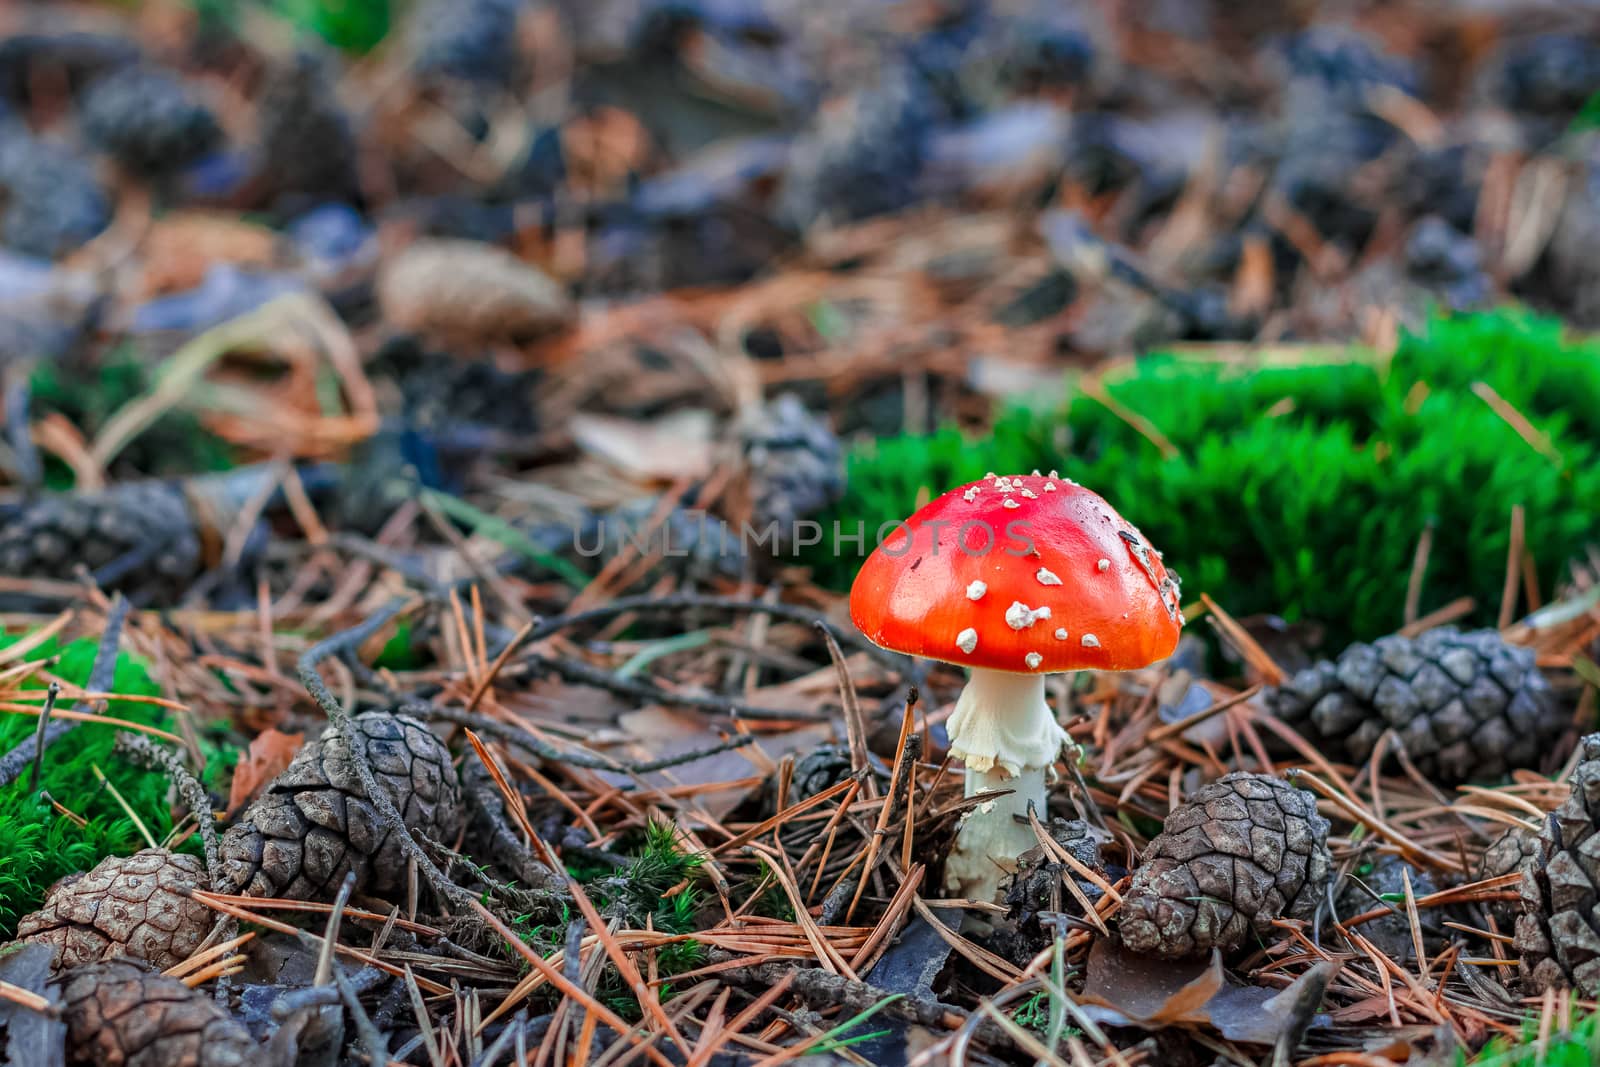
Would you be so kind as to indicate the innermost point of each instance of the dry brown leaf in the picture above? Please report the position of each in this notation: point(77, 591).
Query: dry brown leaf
point(181, 247)
point(467, 289)
point(1147, 990)
point(298, 333)
point(1124, 989)
point(268, 755)
point(659, 733)
point(554, 702)
point(671, 447)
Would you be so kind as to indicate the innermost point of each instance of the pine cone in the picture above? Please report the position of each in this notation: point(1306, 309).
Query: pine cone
point(137, 537)
point(796, 466)
point(149, 121)
point(50, 203)
point(818, 770)
point(439, 389)
point(1384, 881)
point(862, 155)
point(1245, 850)
point(314, 824)
point(133, 906)
point(119, 1014)
point(307, 145)
point(1464, 705)
point(1558, 932)
point(1514, 851)
point(469, 290)
point(474, 40)
point(1035, 887)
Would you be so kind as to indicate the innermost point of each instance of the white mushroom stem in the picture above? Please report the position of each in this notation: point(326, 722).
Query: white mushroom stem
point(1005, 732)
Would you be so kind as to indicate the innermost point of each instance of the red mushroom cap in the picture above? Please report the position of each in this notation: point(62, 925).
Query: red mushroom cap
point(1026, 573)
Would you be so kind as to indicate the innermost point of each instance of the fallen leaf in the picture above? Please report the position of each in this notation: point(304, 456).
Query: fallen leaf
point(659, 733)
point(467, 289)
point(912, 962)
point(1145, 990)
point(32, 1038)
point(1260, 1016)
point(559, 703)
point(1124, 989)
point(268, 755)
point(674, 446)
point(181, 248)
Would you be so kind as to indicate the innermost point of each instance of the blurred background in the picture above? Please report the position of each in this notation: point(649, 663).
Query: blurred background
point(1303, 288)
point(457, 348)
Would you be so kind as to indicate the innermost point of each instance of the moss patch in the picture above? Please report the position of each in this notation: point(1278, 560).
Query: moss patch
point(1577, 1045)
point(1302, 487)
point(37, 844)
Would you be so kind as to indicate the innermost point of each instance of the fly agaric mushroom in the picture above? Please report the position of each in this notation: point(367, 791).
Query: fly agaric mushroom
point(1014, 578)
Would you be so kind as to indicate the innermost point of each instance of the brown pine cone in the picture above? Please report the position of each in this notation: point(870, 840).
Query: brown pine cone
point(1513, 851)
point(1245, 850)
point(1558, 933)
point(120, 1014)
point(314, 824)
point(133, 906)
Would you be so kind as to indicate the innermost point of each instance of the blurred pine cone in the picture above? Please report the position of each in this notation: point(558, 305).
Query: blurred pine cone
point(307, 146)
point(138, 537)
point(135, 906)
point(1514, 851)
point(1245, 850)
point(1382, 883)
point(51, 201)
point(796, 465)
point(862, 155)
point(1567, 274)
point(148, 121)
point(68, 55)
point(439, 389)
point(314, 824)
point(473, 40)
point(1558, 932)
point(119, 1014)
point(1464, 705)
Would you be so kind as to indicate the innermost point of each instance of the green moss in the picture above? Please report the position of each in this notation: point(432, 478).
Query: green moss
point(352, 25)
point(1303, 489)
point(773, 902)
point(39, 846)
point(176, 444)
point(356, 26)
point(1588, 116)
point(637, 894)
point(1574, 1046)
point(398, 653)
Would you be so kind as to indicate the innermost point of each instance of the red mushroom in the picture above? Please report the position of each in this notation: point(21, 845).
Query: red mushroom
point(1014, 578)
